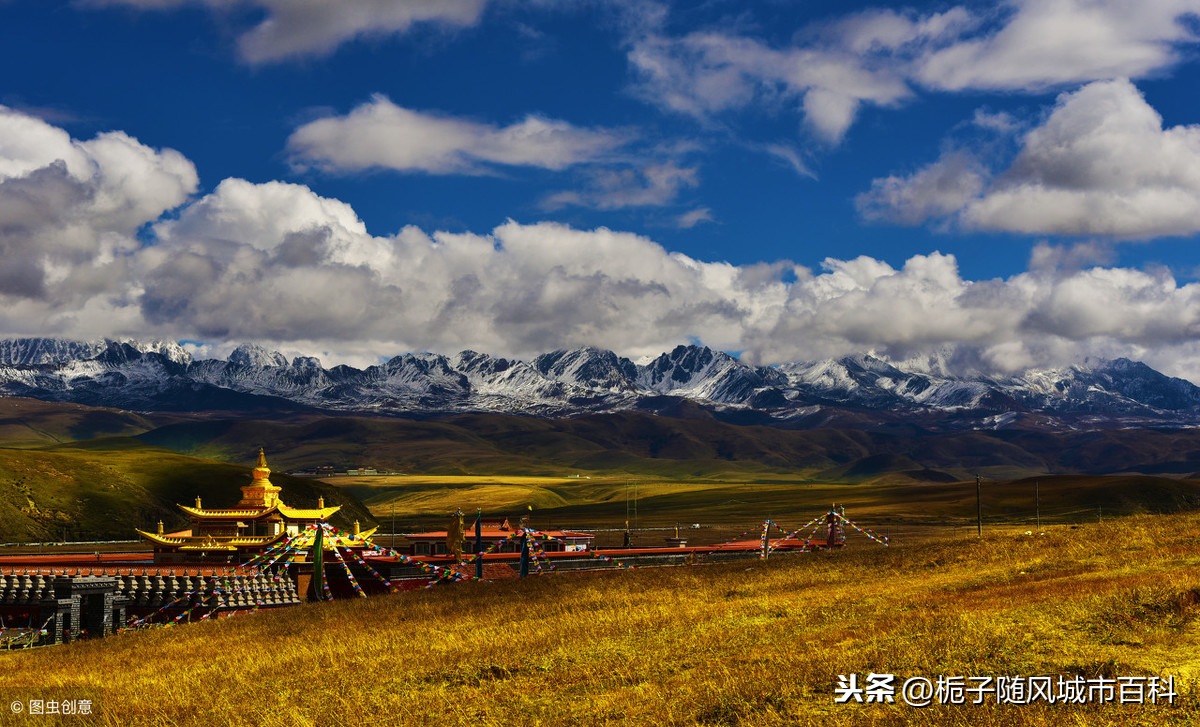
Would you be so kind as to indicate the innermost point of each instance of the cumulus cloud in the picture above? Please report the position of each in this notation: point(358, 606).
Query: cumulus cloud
point(70, 209)
point(278, 264)
point(1043, 317)
point(523, 289)
point(381, 135)
point(936, 190)
point(1100, 164)
point(1046, 43)
point(298, 28)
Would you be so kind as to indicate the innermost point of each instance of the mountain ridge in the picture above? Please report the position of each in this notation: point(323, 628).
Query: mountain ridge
point(863, 390)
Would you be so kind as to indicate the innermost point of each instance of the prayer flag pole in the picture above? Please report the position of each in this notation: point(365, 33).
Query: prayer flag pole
point(524, 553)
point(318, 557)
point(479, 543)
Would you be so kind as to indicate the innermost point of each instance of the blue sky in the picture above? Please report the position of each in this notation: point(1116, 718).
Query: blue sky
point(1000, 185)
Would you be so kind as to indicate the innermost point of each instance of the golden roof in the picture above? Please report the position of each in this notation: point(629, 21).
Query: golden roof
point(209, 542)
point(246, 513)
point(322, 513)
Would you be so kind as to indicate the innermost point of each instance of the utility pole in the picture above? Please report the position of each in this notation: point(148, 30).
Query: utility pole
point(1037, 503)
point(393, 524)
point(979, 505)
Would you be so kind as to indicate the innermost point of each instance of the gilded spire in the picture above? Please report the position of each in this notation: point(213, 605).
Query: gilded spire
point(261, 471)
point(260, 493)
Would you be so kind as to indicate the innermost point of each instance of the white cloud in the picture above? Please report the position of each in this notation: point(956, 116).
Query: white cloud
point(69, 209)
point(298, 28)
point(1100, 164)
point(878, 57)
point(286, 221)
point(937, 190)
point(790, 156)
point(381, 135)
point(688, 220)
point(1046, 43)
point(278, 264)
point(702, 74)
point(653, 185)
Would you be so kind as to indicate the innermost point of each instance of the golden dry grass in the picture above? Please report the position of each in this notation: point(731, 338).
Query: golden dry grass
point(752, 642)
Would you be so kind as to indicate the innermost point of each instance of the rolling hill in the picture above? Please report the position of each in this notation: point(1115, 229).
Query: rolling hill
point(108, 488)
point(134, 468)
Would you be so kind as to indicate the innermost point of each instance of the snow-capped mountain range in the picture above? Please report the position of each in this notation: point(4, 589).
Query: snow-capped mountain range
point(161, 375)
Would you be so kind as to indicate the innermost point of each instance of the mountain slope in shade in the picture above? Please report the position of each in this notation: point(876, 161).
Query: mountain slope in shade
point(854, 391)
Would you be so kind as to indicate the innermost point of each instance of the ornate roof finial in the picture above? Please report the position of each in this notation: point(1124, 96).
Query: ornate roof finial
point(198, 505)
point(160, 527)
point(261, 471)
point(321, 503)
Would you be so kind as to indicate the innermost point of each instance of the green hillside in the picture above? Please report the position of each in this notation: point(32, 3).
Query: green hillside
point(658, 446)
point(106, 492)
point(33, 423)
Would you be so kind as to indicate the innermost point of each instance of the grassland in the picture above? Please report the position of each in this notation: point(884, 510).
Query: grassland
point(753, 643)
point(726, 506)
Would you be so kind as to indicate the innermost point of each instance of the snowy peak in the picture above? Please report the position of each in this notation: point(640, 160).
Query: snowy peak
point(39, 351)
point(56, 351)
point(700, 372)
point(590, 368)
point(507, 379)
point(252, 354)
point(1099, 385)
point(479, 364)
point(169, 350)
point(420, 375)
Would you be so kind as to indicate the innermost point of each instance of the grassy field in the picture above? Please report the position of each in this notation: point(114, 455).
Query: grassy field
point(753, 642)
point(726, 507)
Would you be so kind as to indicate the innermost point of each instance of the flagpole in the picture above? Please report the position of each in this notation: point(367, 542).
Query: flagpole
point(319, 564)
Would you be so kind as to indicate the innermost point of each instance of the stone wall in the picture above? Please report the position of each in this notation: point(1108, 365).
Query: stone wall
point(103, 604)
